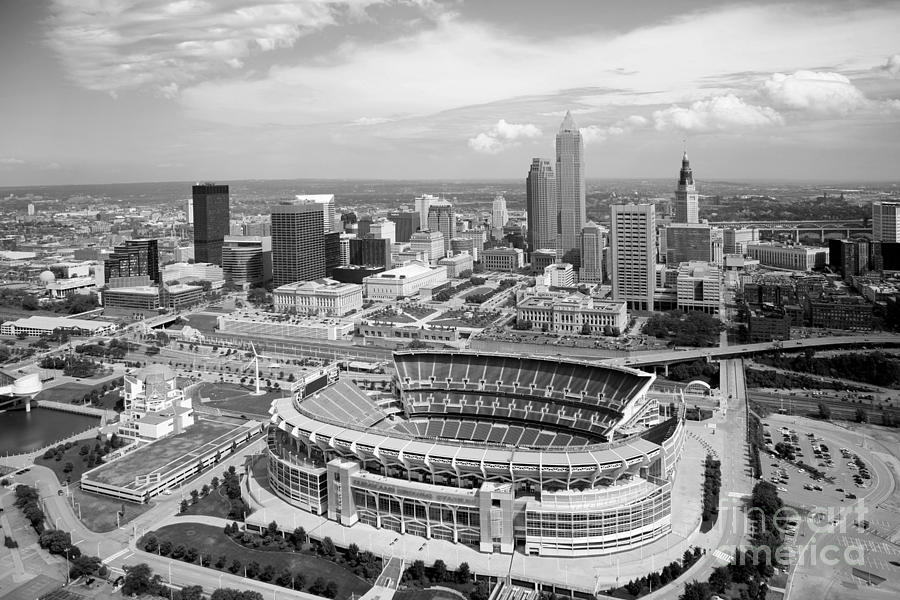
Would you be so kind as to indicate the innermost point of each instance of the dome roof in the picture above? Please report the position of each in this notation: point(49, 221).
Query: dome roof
point(47, 276)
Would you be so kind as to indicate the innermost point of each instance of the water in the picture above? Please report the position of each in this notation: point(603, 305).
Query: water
point(26, 432)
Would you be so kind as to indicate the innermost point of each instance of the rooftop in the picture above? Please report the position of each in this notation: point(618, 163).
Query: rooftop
point(41, 322)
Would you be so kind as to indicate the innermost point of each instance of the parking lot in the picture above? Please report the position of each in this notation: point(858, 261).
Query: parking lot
point(847, 476)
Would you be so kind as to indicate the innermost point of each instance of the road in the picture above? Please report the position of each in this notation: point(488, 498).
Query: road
point(714, 353)
point(117, 548)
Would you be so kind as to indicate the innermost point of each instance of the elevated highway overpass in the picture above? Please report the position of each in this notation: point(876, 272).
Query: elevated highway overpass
point(725, 352)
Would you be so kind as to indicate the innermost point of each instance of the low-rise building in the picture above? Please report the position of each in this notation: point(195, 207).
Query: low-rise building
point(403, 282)
point(326, 297)
point(769, 326)
point(573, 313)
point(247, 260)
point(180, 295)
point(154, 405)
point(457, 264)
point(841, 312)
point(63, 288)
point(699, 287)
point(559, 275)
point(193, 272)
point(505, 260)
point(37, 326)
point(284, 326)
point(138, 299)
point(794, 258)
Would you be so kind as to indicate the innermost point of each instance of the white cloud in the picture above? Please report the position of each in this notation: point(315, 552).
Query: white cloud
point(367, 121)
point(596, 134)
point(11, 161)
point(502, 135)
point(892, 65)
point(721, 113)
point(818, 92)
point(115, 45)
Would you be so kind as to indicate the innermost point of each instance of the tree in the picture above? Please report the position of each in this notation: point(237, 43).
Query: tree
point(328, 548)
point(192, 592)
point(331, 590)
point(298, 538)
point(190, 555)
point(165, 548)
point(235, 566)
point(482, 590)
point(463, 574)
point(440, 570)
point(184, 506)
point(84, 565)
point(824, 411)
point(353, 553)
point(151, 543)
point(696, 590)
point(861, 416)
point(267, 574)
point(30, 302)
point(416, 571)
point(68, 468)
point(195, 496)
point(318, 586)
point(139, 580)
point(215, 483)
point(179, 551)
point(271, 529)
point(204, 491)
point(252, 569)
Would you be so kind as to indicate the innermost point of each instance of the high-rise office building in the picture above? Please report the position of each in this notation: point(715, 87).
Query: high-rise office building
point(688, 242)
point(430, 244)
point(134, 258)
point(327, 202)
point(422, 203)
point(370, 252)
point(541, 206)
point(247, 260)
point(442, 217)
point(211, 221)
point(189, 211)
point(363, 226)
point(298, 243)
point(383, 229)
point(570, 186)
point(332, 242)
point(406, 223)
point(593, 241)
point(499, 213)
point(736, 239)
point(687, 201)
point(886, 222)
point(633, 250)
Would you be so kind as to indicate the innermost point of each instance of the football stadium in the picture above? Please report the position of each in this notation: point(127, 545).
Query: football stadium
point(503, 453)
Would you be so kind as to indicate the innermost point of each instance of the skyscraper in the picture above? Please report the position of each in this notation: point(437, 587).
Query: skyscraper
point(247, 260)
point(541, 206)
point(441, 217)
point(569, 186)
point(407, 223)
point(327, 202)
point(633, 252)
point(686, 198)
point(886, 222)
point(499, 213)
point(422, 203)
point(593, 240)
point(298, 243)
point(211, 221)
point(134, 258)
point(687, 242)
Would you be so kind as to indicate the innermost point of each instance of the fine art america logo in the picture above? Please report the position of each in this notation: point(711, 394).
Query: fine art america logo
point(814, 536)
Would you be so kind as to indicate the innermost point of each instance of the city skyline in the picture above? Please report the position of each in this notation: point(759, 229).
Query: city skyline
point(238, 90)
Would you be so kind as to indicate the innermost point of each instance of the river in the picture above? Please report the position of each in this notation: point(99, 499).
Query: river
point(26, 432)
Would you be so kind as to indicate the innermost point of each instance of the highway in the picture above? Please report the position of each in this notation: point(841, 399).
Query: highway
point(719, 352)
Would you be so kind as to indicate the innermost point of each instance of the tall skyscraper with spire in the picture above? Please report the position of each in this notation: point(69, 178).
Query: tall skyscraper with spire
point(686, 198)
point(570, 185)
point(540, 206)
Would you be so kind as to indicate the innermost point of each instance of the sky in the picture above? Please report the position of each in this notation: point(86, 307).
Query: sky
point(97, 91)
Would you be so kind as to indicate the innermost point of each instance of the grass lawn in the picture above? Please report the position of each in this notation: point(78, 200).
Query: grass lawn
point(230, 396)
point(67, 393)
point(456, 318)
point(209, 540)
point(98, 513)
point(214, 505)
point(482, 289)
point(204, 322)
point(71, 455)
point(427, 594)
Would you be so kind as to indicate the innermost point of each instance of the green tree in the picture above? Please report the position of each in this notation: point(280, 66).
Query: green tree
point(139, 580)
point(184, 506)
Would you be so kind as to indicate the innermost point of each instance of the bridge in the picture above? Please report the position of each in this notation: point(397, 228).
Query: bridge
point(838, 229)
point(723, 352)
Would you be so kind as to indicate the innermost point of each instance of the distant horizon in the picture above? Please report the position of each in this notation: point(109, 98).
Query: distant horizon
point(699, 181)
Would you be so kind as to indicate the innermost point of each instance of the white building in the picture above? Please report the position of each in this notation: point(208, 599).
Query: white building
point(499, 216)
point(506, 260)
point(403, 282)
point(794, 258)
point(324, 297)
point(457, 264)
point(559, 275)
point(383, 229)
point(37, 326)
point(328, 210)
point(570, 313)
point(63, 288)
point(886, 221)
point(193, 271)
point(736, 239)
point(154, 405)
point(699, 287)
point(282, 326)
point(423, 203)
point(430, 244)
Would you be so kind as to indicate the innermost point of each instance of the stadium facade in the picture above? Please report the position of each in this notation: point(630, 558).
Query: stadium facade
point(502, 453)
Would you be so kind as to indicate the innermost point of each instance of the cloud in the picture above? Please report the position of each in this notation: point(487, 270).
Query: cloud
point(892, 65)
point(9, 161)
point(116, 45)
point(367, 121)
point(720, 113)
point(501, 136)
point(817, 92)
point(596, 134)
